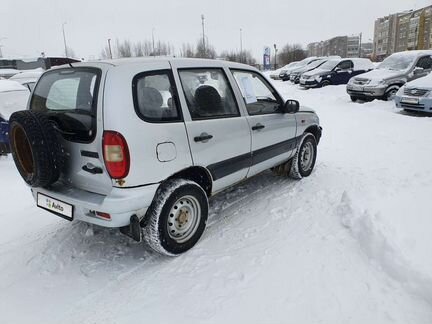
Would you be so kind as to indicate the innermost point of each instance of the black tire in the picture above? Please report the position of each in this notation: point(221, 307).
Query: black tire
point(159, 215)
point(325, 83)
point(390, 93)
point(298, 170)
point(354, 98)
point(36, 150)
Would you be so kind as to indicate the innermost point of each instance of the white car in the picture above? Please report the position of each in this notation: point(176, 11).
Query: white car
point(27, 78)
point(141, 144)
point(13, 97)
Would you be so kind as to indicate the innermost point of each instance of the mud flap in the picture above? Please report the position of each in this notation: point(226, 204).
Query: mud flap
point(133, 230)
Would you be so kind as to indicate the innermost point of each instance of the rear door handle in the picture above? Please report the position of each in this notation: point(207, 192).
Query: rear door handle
point(204, 137)
point(258, 127)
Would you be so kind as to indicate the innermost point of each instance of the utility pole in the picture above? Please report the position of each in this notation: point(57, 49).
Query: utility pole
point(275, 60)
point(360, 45)
point(153, 48)
point(203, 32)
point(241, 46)
point(1, 53)
point(109, 47)
point(64, 39)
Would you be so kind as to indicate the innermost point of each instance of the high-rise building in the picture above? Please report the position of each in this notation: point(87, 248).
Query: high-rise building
point(408, 30)
point(344, 46)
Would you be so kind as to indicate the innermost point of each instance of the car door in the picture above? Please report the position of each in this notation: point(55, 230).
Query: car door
point(422, 68)
point(343, 72)
point(273, 133)
point(219, 135)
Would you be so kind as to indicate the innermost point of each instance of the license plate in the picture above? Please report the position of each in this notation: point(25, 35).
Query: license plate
point(55, 206)
point(410, 100)
point(355, 88)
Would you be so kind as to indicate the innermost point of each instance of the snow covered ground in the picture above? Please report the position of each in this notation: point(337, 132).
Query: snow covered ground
point(349, 244)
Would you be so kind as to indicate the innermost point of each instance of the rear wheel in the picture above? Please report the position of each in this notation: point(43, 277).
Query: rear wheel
point(325, 83)
point(176, 218)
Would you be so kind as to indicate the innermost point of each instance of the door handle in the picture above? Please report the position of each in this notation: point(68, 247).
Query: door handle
point(258, 126)
point(90, 168)
point(204, 137)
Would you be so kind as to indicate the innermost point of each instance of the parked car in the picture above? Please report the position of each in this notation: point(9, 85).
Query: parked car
point(312, 65)
point(27, 78)
point(13, 97)
point(415, 95)
point(107, 148)
point(275, 75)
point(390, 75)
point(287, 69)
point(335, 71)
point(285, 75)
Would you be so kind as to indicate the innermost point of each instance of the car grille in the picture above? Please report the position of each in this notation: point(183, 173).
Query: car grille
point(415, 92)
point(414, 106)
point(361, 81)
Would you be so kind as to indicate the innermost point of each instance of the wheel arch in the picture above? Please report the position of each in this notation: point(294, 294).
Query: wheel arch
point(198, 174)
point(315, 130)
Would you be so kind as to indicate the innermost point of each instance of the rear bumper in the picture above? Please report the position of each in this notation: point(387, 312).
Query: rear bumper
point(120, 203)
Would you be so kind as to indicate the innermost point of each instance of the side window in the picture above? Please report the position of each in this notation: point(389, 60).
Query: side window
point(208, 94)
point(154, 97)
point(345, 65)
point(425, 62)
point(259, 97)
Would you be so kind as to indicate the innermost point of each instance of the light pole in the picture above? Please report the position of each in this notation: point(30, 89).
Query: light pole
point(109, 48)
point(203, 31)
point(64, 39)
point(275, 60)
point(241, 46)
point(360, 44)
point(1, 53)
point(153, 50)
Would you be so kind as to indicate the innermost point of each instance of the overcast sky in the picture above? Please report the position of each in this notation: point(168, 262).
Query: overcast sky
point(30, 26)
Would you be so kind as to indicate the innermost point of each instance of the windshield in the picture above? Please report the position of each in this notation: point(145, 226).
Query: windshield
point(316, 63)
point(69, 97)
point(398, 62)
point(330, 65)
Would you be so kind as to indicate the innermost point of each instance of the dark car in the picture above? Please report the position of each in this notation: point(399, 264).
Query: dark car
point(335, 71)
point(312, 65)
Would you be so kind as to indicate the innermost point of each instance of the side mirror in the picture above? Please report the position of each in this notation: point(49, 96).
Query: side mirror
point(418, 70)
point(291, 107)
point(338, 69)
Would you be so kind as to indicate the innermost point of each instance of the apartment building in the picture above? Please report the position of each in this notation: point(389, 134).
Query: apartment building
point(344, 46)
point(408, 30)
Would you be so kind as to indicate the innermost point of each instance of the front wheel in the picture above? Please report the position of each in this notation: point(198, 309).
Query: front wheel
point(304, 159)
point(176, 218)
point(391, 93)
point(325, 83)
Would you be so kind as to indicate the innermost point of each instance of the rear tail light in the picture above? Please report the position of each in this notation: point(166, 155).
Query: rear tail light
point(116, 154)
point(101, 215)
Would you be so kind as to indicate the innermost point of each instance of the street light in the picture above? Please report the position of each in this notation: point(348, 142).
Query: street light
point(241, 46)
point(275, 60)
point(1, 53)
point(109, 47)
point(64, 39)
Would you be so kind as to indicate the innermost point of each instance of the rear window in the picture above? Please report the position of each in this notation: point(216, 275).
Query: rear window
point(69, 98)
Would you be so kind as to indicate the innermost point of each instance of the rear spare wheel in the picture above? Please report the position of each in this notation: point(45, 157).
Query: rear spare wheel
point(35, 148)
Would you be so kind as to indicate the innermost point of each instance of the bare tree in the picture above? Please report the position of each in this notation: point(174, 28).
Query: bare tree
point(205, 50)
point(291, 53)
point(243, 57)
point(70, 52)
point(187, 50)
point(123, 49)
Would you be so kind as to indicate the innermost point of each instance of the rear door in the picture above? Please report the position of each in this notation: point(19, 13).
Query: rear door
point(273, 133)
point(219, 135)
point(71, 98)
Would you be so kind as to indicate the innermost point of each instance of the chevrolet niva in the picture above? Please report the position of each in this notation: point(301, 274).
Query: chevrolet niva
point(140, 144)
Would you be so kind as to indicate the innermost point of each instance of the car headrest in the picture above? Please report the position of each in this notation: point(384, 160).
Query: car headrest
point(150, 101)
point(208, 100)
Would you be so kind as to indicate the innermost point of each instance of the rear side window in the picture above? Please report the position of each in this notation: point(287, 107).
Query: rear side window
point(69, 98)
point(345, 65)
point(154, 97)
point(425, 62)
point(208, 94)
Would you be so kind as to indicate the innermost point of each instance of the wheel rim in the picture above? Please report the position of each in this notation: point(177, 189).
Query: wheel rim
point(184, 219)
point(307, 156)
point(325, 83)
point(391, 94)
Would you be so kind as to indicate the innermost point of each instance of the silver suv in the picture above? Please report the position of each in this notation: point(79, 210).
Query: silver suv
point(140, 144)
point(385, 81)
